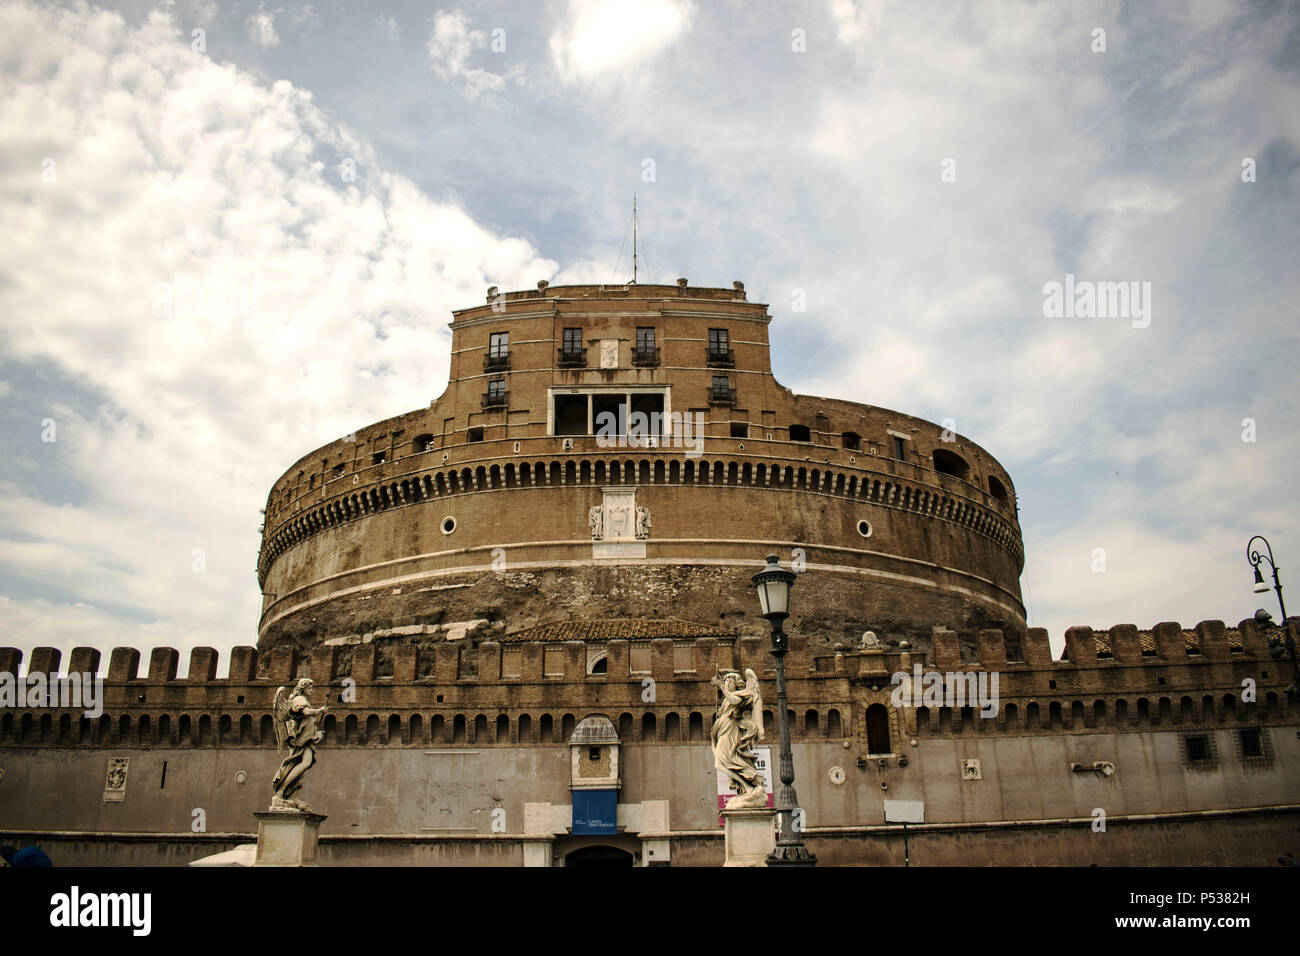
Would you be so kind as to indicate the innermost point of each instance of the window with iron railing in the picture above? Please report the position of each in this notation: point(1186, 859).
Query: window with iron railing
point(496, 394)
point(646, 353)
point(720, 353)
point(498, 353)
point(721, 392)
point(571, 351)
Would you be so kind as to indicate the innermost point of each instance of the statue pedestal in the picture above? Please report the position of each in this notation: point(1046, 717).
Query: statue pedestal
point(750, 836)
point(287, 837)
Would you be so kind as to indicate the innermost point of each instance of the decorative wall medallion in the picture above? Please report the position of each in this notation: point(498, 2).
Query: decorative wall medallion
point(835, 775)
point(970, 770)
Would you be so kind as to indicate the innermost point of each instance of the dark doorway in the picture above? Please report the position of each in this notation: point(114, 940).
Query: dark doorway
point(878, 730)
point(598, 856)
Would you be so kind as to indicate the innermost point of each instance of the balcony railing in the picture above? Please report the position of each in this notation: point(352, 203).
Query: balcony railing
point(719, 395)
point(573, 359)
point(496, 399)
point(496, 362)
point(645, 357)
point(722, 358)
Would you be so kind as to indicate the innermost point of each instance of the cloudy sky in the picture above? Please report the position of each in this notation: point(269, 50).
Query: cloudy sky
point(337, 178)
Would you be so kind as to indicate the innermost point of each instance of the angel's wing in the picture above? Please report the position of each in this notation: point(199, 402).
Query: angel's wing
point(279, 714)
point(751, 688)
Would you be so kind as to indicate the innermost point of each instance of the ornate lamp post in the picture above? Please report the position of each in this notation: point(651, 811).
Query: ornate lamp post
point(773, 587)
point(1278, 647)
point(1255, 556)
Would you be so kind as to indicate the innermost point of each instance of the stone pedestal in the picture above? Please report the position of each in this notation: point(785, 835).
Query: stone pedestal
point(750, 836)
point(287, 837)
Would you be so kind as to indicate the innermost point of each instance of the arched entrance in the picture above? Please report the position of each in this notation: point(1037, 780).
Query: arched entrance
point(608, 856)
point(611, 849)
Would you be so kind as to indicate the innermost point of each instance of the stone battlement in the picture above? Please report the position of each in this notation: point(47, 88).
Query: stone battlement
point(1166, 644)
point(533, 692)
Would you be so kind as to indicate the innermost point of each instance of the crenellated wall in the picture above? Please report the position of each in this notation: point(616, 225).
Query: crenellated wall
point(431, 740)
point(458, 692)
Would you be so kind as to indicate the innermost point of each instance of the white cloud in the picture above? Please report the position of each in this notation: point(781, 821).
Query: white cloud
point(212, 181)
point(388, 27)
point(601, 37)
point(261, 28)
point(306, 15)
point(451, 44)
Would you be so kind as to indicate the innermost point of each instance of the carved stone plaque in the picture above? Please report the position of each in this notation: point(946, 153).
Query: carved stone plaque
point(618, 521)
point(115, 779)
point(609, 353)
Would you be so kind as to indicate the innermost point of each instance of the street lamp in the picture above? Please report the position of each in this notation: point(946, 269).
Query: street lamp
point(1255, 556)
point(773, 586)
point(1278, 646)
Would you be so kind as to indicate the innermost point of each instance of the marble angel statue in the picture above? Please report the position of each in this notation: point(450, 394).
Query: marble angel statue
point(296, 728)
point(736, 728)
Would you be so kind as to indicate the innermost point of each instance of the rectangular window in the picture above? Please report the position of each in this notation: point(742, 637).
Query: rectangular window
point(1250, 742)
point(379, 457)
point(573, 340)
point(1198, 749)
point(645, 340)
point(474, 434)
point(497, 389)
point(740, 429)
point(717, 340)
point(511, 662)
point(500, 345)
point(721, 383)
point(900, 449)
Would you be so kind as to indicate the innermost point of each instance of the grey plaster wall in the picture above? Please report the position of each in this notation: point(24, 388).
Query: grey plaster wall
point(450, 793)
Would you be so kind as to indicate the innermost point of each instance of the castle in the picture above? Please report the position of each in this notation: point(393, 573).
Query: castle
point(517, 597)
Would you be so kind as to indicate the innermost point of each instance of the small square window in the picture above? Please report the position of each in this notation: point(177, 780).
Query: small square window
point(593, 753)
point(474, 434)
point(740, 429)
point(379, 457)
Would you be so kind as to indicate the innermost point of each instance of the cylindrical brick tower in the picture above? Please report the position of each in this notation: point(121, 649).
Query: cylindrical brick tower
point(622, 456)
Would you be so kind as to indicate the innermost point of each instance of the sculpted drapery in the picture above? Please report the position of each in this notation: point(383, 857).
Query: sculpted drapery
point(737, 726)
point(295, 728)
